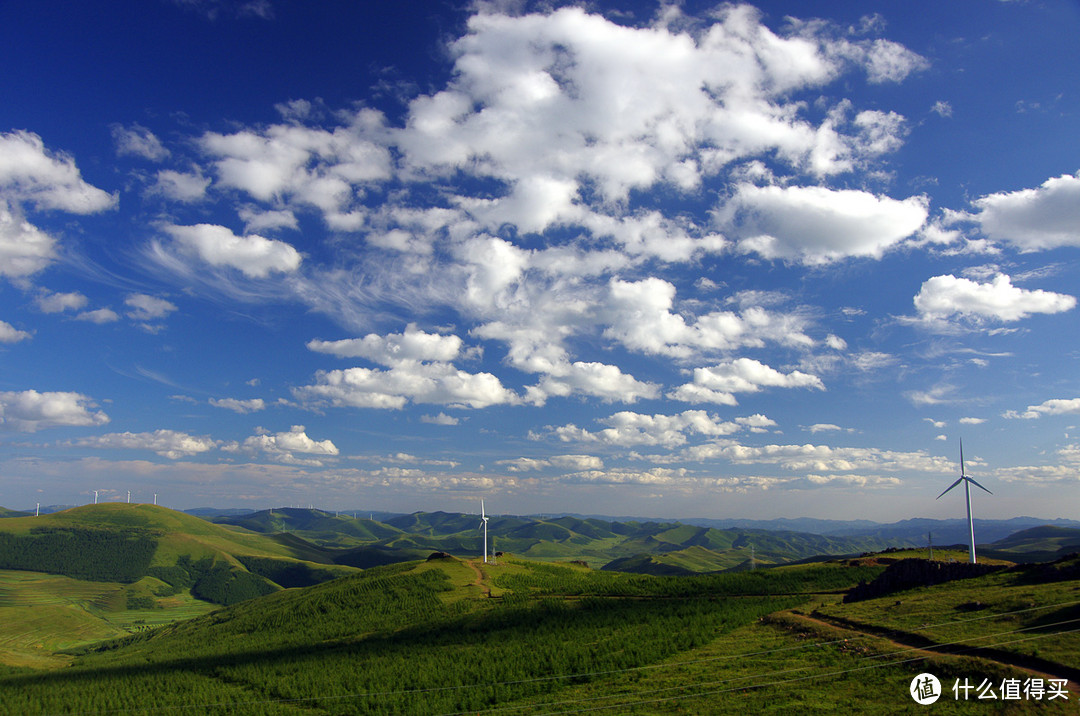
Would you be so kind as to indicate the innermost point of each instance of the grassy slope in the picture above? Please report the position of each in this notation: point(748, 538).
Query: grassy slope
point(422, 638)
point(42, 613)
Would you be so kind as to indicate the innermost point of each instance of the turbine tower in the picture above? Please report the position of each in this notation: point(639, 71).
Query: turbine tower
point(967, 496)
point(483, 523)
point(95, 496)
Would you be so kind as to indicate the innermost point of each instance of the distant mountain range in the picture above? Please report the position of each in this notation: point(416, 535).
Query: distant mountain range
point(655, 546)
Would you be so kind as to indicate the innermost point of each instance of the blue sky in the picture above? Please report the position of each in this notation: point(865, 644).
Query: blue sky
point(672, 260)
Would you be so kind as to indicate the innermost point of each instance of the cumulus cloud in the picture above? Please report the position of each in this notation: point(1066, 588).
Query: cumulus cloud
point(60, 302)
point(185, 187)
point(284, 446)
point(11, 334)
point(167, 443)
point(303, 166)
point(1046, 217)
point(719, 383)
point(434, 383)
point(31, 174)
point(99, 316)
point(138, 141)
point(628, 428)
point(439, 419)
point(815, 225)
point(641, 317)
point(566, 462)
point(944, 297)
point(24, 248)
point(255, 256)
point(239, 406)
point(411, 345)
point(1055, 406)
point(29, 411)
point(144, 307)
point(606, 382)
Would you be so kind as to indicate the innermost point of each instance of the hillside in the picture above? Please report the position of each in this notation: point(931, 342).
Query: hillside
point(669, 547)
point(524, 637)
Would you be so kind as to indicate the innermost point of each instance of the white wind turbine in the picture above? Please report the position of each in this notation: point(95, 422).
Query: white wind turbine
point(483, 523)
point(967, 496)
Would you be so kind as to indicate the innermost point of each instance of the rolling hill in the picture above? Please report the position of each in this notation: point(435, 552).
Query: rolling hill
point(656, 547)
point(525, 637)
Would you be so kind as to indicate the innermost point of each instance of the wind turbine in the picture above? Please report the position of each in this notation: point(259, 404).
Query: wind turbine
point(967, 496)
point(95, 496)
point(483, 523)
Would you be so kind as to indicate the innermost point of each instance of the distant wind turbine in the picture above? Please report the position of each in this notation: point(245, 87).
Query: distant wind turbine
point(95, 496)
point(483, 523)
point(967, 496)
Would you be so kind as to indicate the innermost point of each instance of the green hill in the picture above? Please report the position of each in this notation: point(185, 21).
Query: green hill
point(528, 637)
point(673, 546)
point(130, 543)
point(5, 512)
point(1047, 539)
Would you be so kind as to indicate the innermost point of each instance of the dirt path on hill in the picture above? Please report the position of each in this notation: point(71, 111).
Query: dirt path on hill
point(479, 578)
point(919, 645)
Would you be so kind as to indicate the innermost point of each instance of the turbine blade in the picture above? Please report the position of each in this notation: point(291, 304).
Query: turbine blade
point(972, 481)
point(961, 457)
point(483, 514)
point(958, 481)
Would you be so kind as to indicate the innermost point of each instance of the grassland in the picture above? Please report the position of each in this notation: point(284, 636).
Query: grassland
point(450, 636)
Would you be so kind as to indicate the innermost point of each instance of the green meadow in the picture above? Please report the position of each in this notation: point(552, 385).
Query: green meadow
point(449, 635)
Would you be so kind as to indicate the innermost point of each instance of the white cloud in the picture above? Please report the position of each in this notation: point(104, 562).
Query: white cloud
point(815, 225)
point(283, 446)
point(434, 383)
point(945, 297)
point(825, 458)
point(629, 428)
point(138, 141)
point(31, 174)
point(29, 411)
point(303, 166)
point(99, 316)
point(255, 256)
point(411, 345)
point(641, 318)
point(239, 406)
point(942, 108)
point(888, 61)
point(566, 462)
point(440, 419)
point(1055, 406)
point(719, 383)
point(167, 443)
point(60, 302)
point(606, 382)
point(185, 187)
point(24, 248)
point(972, 421)
point(1033, 219)
point(546, 102)
point(824, 427)
point(147, 308)
point(11, 334)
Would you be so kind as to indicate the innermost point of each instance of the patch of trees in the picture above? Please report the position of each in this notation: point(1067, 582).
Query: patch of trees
point(101, 555)
point(287, 573)
point(219, 583)
point(911, 573)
